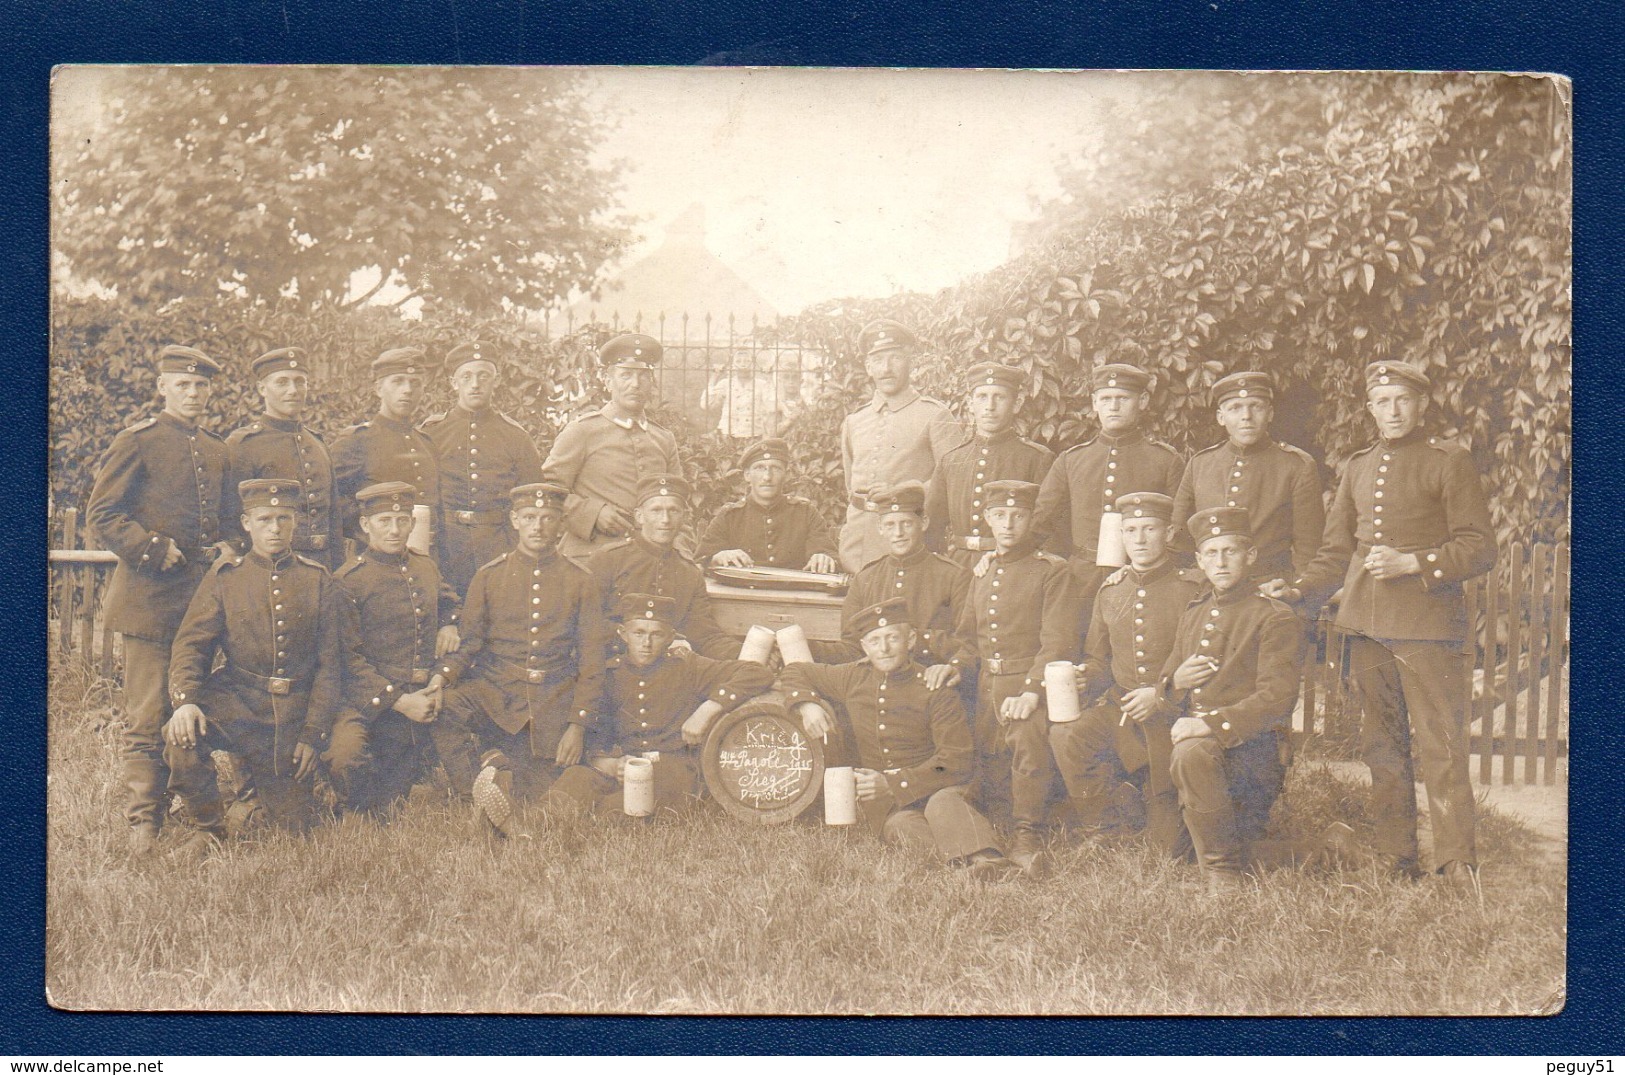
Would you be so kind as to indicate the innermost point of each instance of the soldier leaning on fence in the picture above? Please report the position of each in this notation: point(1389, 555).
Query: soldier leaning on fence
point(651, 563)
point(933, 586)
point(768, 528)
point(402, 620)
point(387, 447)
point(600, 457)
point(1086, 480)
point(277, 444)
point(1278, 484)
point(481, 454)
point(897, 436)
point(1230, 682)
point(1118, 734)
point(911, 745)
point(1022, 613)
point(276, 618)
point(1409, 524)
point(994, 452)
point(156, 504)
point(655, 701)
point(528, 678)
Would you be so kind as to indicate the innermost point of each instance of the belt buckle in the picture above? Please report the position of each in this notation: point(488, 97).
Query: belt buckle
point(318, 541)
point(534, 675)
point(420, 676)
point(974, 544)
point(279, 685)
point(465, 517)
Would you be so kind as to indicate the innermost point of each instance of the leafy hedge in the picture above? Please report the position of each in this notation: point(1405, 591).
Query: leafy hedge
point(1427, 220)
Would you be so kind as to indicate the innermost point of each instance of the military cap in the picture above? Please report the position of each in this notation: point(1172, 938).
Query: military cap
point(662, 485)
point(283, 358)
point(1119, 375)
point(464, 353)
point(178, 359)
point(632, 350)
point(893, 610)
point(1010, 377)
point(885, 335)
point(768, 448)
point(1217, 522)
point(387, 496)
point(1406, 374)
point(400, 360)
point(538, 495)
point(1145, 506)
point(644, 606)
point(269, 493)
point(1008, 493)
point(1247, 384)
point(904, 496)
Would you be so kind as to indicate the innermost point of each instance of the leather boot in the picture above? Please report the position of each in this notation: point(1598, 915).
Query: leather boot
point(1218, 848)
point(146, 784)
point(1027, 851)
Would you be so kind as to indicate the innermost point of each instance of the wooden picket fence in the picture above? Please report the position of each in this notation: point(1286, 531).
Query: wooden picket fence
point(1515, 685)
point(1515, 689)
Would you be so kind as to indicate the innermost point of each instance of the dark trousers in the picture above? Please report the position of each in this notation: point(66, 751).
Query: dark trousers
point(478, 704)
point(1225, 795)
point(678, 786)
point(1415, 688)
point(266, 750)
point(467, 547)
point(1097, 753)
point(144, 774)
point(374, 764)
point(1013, 760)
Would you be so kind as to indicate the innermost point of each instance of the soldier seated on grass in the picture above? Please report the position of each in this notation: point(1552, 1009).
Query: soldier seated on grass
point(275, 618)
point(768, 528)
point(911, 744)
point(1230, 682)
point(656, 703)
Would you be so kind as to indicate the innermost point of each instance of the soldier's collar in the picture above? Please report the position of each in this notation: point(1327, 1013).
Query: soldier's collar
point(651, 549)
point(897, 402)
point(641, 421)
point(1008, 433)
point(1414, 436)
point(1167, 566)
point(388, 559)
point(909, 669)
point(178, 422)
point(281, 563)
point(1026, 548)
point(392, 422)
point(483, 412)
point(1264, 444)
point(284, 425)
point(1117, 440)
point(545, 556)
point(920, 553)
point(1239, 592)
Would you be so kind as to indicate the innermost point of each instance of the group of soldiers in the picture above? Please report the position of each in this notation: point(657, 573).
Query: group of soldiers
point(1026, 644)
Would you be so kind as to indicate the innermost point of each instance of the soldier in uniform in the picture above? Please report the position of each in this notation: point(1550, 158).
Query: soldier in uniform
point(1230, 682)
point(387, 448)
point(1130, 633)
point(276, 618)
point(655, 701)
point(403, 621)
point(1022, 613)
point(897, 436)
point(277, 444)
point(994, 452)
point(156, 504)
point(601, 456)
point(650, 563)
point(481, 454)
point(1410, 524)
point(911, 743)
point(528, 679)
point(1086, 480)
point(768, 527)
point(933, 586)
point(1278, 484)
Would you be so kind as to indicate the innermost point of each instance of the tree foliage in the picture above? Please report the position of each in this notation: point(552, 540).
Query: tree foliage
point(1426, 219)
point(470, 187)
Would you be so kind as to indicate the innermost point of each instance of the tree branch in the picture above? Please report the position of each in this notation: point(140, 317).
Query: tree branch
point(383, 279)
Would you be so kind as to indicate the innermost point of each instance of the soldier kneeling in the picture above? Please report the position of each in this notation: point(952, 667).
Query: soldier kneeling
point(657, 704)
point(274, 616)
point(912, 743)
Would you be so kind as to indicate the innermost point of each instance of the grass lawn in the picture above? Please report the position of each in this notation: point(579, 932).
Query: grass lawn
point(714, 916)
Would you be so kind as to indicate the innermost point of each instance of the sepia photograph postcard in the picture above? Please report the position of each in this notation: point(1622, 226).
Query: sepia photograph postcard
point(771, 540)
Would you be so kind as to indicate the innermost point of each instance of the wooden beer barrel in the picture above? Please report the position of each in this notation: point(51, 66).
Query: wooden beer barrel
point(759, 765)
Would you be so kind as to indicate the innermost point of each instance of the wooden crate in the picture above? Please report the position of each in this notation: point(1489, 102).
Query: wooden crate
point(738, 608)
